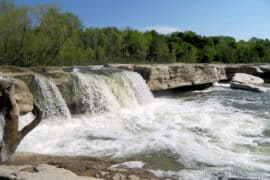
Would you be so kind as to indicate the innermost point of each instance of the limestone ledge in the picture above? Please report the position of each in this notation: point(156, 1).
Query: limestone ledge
point(158, 76)
point(170, 76)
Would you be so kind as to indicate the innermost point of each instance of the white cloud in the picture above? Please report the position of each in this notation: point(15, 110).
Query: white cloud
point(162, 29)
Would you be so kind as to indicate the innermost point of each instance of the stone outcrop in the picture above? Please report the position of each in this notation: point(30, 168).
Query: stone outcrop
point(40, 172)
point(261, 70)
point(247, 79)
point(248, 82)
point(50, 167)
point(158, 77)
point(162, 77)
point(170, 76)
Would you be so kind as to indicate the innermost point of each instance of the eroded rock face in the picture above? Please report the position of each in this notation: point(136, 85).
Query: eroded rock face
point(23, 95)
point(169, 76)
point(158, 77)
point(161, 77)
point(248, 82)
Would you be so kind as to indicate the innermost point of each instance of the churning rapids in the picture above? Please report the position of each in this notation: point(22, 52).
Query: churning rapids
point(210, 134)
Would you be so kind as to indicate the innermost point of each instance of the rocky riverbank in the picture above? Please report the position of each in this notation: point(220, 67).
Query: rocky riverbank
point(38, 166)
point(159, 77)
point(170, 76)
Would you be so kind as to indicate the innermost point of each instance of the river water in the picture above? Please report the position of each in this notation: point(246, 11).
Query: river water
point(212, 134)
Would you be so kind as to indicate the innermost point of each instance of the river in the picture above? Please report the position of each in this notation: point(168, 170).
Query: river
point(211, 134)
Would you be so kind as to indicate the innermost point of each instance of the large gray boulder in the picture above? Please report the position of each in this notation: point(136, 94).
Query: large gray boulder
point(248, 82)
point(247, 79)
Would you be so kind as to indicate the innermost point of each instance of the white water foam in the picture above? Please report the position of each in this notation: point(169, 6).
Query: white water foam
point(130, 164)
point(210, 135)
point(202, 133)
point(216, 87)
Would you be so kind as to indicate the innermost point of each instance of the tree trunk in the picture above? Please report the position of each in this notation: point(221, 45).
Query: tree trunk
point(10, 110)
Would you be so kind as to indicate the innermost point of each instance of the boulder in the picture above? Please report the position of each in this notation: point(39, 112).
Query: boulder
point(23, 95)
point(247, 79)
point(248, 82)
point(41, 172)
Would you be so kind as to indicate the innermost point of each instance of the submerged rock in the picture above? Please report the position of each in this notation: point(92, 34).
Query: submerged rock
point(248, 82)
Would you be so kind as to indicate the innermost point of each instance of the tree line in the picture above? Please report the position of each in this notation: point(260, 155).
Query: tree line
point(44, 35)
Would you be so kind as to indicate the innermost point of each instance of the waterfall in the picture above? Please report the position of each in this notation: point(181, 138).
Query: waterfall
point(94, 91)
point(138, 87)
point(50, 98)
point(95, 95)
point(104, 90)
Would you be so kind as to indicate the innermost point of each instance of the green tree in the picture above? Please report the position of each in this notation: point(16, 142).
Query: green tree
point(51, 35)
point(44, 35)
point(135, 45)
point(207, 54)
point(14, 25)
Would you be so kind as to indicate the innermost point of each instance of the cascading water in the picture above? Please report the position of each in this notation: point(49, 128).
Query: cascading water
point(217, 133)
point(140, 90)
point(50, 98)
point(96, 97)
point(104, 90)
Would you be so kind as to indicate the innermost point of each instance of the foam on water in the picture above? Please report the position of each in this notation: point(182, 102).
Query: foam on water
point(212, 134)
point(131, 164)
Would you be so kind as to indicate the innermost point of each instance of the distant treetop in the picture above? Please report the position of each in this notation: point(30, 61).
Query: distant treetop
point(43, 35)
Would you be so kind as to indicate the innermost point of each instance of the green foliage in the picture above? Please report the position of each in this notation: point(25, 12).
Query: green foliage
point(44, 35)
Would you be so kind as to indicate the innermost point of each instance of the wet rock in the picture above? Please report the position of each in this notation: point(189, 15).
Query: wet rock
point(248, 82)
point(247, 79)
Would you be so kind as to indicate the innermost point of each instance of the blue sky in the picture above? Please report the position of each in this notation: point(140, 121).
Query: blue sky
point(241, 19)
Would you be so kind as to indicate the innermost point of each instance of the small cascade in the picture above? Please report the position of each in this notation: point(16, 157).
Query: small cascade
point(138, 87)
point(103, 90)
point(94, 91)
point(50, 98)
point(95, 95)
point(129, 87)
